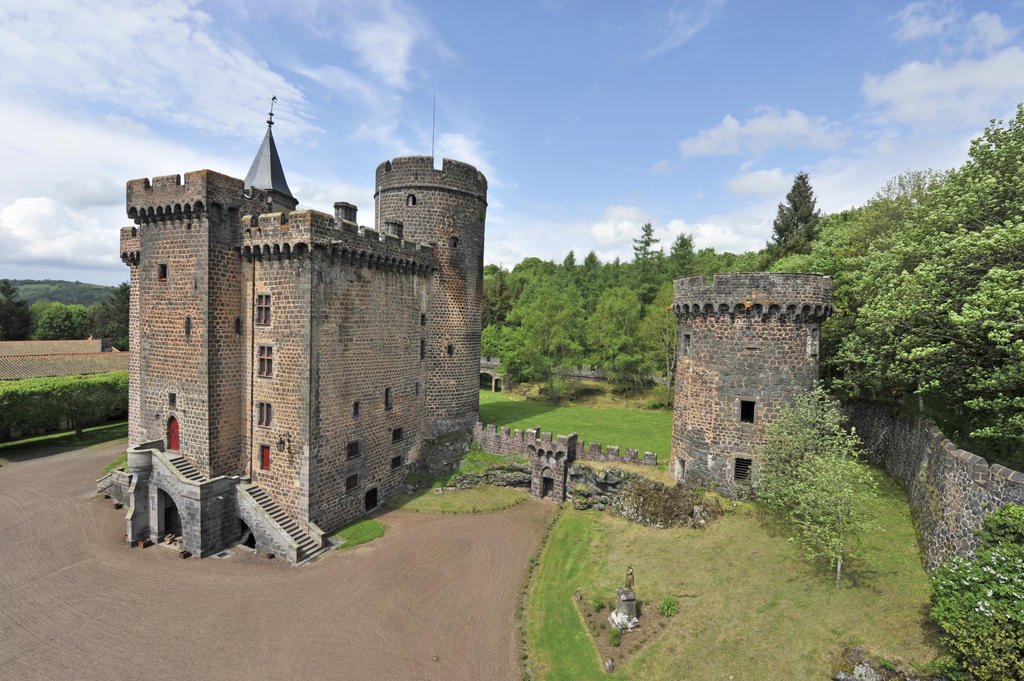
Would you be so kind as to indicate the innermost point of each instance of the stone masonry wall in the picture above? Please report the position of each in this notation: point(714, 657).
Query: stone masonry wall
point(743, 338)
point(949, 490)
point(445, 208)
point(497, 440)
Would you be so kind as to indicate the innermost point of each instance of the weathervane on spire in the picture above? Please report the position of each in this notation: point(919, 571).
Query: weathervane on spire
point(270, 121)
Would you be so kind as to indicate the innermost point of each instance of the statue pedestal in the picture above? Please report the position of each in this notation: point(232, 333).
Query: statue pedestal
point(624, 615)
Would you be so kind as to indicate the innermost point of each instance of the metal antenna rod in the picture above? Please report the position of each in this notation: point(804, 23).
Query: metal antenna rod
point(433, 125)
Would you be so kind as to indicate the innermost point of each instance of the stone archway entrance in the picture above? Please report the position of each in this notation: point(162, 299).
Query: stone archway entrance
point(370, 500)
point(497, 385)
point(168, 518)
point(486, 381)
point(248, 539)
point(547, 481)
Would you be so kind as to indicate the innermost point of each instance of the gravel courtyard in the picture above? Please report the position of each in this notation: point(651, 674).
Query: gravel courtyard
point(434, 598)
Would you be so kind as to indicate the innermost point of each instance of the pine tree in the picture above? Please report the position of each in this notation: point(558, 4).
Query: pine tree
point(796, 223)
point(647, 262)
point(15, 322)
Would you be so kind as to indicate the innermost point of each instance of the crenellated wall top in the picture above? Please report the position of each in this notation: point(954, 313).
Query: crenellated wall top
point(754, 294)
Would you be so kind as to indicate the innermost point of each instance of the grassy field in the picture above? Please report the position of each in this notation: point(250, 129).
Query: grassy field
point(359, 532)
point(55, 443)
point(643, 429)
point(751, 606)
point(473, 500)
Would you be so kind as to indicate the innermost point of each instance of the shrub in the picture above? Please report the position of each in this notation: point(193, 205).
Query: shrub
point(597, 604)
point(1005, 526)
point(40, 405)
point(978, 603)
point(668, 607)
point(615, 637)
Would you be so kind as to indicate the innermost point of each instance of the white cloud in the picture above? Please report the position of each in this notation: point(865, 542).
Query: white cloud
point(760, 182)
point(923, 20)
point(659, 167)
point(465, 148)
point(684, 20)
point(41, 231)
point(967, 90)
point(986, 32)
point(158, 59)
point(618, 225)
point(769, 128)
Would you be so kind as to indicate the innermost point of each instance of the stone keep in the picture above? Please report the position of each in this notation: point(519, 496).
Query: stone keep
point(287, 366)
point(747, 345)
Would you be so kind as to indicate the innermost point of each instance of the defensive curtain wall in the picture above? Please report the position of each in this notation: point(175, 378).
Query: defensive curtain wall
point(950, 491)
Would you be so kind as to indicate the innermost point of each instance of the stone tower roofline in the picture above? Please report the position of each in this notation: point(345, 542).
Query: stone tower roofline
point(757, 294)
point(165, 197)
point(418, 172)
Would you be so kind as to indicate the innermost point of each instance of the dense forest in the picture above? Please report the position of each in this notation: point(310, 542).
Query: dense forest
point(54, 320)
point(61, 291)
point(928, 286)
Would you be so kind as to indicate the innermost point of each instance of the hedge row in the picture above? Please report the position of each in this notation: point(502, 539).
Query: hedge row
point(32, 406)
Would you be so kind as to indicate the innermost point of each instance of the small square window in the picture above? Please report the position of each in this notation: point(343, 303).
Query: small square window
point(355, 408)
point(351, 482)
point(161, 271)
point(746, 411)
point(352, 449)
point(266, 361)
point(265, 414)
point(265, 457)
point(396, 434)
point(397, 462)
point(172, 400)
point(263, 310)
point(741, 470)
point(388, 399)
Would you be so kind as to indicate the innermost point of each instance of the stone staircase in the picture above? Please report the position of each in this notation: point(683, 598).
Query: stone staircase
point(308, 546)
point(186, 468)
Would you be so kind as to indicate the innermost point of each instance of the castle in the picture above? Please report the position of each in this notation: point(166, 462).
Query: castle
point(289, 366)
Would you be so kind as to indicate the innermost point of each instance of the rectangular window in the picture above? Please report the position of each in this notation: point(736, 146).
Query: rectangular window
point(265, 457)
point(812, 343)
point(417, 387)
point(423, 348)
point(352, 449)
point(741, 470)
point(396, 434)
point(388, 399)
point(686, 343)
point(351, 482)
point(397, 461)
point(172, 400)
point(263, 310)
point(265, 413)
point(423, 320)
point(161, 272)
point(355, 408)
point(266, 357)
point(746, 411)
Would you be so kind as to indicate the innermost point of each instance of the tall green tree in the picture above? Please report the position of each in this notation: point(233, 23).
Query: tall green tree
point(550, 322)
point(682, 257)
point(15, 322)
point(647, 263)
point(58, 321)
point(109, 318)
point(658, 333)
point(498, 298)
point(614, 329)
point(796, 222)
point(811, 475)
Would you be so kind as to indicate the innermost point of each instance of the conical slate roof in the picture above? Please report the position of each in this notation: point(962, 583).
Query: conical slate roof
point(266, 171)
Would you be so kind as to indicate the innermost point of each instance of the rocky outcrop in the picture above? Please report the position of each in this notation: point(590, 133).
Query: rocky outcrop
point(856, 665)
point(502, 475)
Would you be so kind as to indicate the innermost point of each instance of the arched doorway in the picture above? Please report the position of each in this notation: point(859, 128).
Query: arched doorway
point(169, 518)
point(497, 385)
point(248, 539)
point(173, 441)
point(486, 381)
point(370, 500)
point(547, 481)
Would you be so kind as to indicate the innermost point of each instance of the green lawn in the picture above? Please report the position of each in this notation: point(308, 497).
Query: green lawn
point(55, 443)
point(641, 429)
point(751, 607)
point(473, 500)
point(360, 532)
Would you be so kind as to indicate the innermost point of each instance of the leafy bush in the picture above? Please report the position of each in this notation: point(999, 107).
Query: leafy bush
point(978, 602)
point(668, 607)
point(597, 604)
point(40, 405)
point(615, 637)
point(1005, 526)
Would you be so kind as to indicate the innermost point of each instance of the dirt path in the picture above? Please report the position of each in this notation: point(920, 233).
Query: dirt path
point(432, 599)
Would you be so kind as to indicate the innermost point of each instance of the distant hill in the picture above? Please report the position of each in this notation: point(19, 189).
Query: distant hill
point(67, 292)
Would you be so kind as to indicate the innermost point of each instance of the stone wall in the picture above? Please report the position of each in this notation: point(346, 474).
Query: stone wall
point(949, 490)
point(497, 440)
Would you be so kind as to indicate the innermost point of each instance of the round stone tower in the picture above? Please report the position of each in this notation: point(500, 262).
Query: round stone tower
point(445, 208)
point(747, 345)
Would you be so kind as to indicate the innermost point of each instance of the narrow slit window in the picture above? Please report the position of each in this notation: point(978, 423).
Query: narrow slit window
point(263, 310)
point(355, 408)
point(238, 326)
point(352, 450)
point(423, 348)
point(351, 482)
point(812, 343)
point(172, 400)
point(423, 320)
point(410, 200)
point(161, 272)
point(747, 411)
point(686, 343)
point(188, 327)
point(451, 349)
point(266, 361)
point(741, 470)
point(389, 400)
point(265, 414)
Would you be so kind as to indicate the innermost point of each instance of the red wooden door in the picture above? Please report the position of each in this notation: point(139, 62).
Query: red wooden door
point(265, 457)
point(172, 434)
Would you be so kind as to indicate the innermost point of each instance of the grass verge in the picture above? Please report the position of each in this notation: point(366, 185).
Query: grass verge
point(750, 605)
point(482, 499)
point(56, 443)
point(359, 532)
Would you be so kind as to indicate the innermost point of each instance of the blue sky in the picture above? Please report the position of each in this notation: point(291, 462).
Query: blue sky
point(589, 118)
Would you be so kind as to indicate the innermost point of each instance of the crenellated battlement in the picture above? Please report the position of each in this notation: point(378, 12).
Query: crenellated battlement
point(298, 233)
point(757, 294)
point(500, 440)
point(130, 246)
point(418, 172)
point(167, 198)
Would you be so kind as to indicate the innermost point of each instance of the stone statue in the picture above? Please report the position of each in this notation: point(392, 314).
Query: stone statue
point(629, 576)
